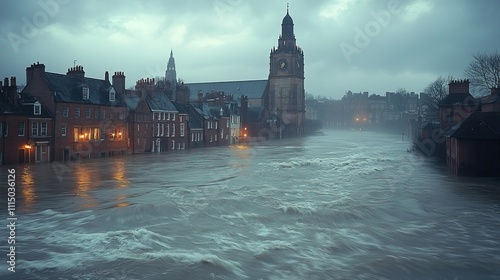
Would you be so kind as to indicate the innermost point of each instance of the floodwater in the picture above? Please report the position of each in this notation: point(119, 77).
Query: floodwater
point(346, 205)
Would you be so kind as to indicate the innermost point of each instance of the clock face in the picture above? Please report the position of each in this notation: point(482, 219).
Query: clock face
point(282, 64)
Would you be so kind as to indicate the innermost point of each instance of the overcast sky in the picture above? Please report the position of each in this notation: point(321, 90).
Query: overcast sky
point(357, 45)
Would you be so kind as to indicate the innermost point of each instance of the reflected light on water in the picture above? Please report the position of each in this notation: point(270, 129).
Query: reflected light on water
point(84, 181)
point(28, 189)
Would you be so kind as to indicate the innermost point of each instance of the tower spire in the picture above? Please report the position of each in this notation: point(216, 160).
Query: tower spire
point(287, 6)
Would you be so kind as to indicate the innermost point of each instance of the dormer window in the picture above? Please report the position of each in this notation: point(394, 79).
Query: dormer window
point(85, 91)
point(37, 108)
point(112, 94)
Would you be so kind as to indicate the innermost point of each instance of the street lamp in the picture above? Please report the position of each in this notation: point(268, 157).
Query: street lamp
point(28, 146)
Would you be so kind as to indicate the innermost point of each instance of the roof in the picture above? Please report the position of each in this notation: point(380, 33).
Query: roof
point(69, 89)
point(479, 125)
point(490, 99)
point(194, 116)
point(456, 98)
point(160, 102)
point(254, 113)
point(132, 98)
point(253, 89)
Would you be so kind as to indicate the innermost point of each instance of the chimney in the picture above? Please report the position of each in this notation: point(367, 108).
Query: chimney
point(119, 83)
point(459, 86)
point(106, 76)
point(12, 89)
point(200, 98)
point(146, 85)
point(76, 72)
point(36, 70)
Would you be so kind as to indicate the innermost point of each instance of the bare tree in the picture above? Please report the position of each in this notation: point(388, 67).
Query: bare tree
point(484, 72)
point(435, 92)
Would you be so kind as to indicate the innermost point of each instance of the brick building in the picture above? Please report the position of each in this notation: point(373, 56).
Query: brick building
point(90, 117)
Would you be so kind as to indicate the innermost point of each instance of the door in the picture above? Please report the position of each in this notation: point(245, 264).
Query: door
point(21, 155)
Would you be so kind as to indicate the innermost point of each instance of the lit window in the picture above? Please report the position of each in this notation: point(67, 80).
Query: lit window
point(76, 134)
point(96, 134)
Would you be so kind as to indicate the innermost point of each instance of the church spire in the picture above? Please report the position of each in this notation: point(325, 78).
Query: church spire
point(287, 25)
point(171, 74)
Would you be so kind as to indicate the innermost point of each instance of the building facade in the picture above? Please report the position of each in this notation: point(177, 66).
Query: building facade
point(286, 96)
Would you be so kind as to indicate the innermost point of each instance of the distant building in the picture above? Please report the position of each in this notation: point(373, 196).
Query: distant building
point(274, 107)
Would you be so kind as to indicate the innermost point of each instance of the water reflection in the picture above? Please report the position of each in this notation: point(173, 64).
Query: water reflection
point(28, 189)
point(84, 183)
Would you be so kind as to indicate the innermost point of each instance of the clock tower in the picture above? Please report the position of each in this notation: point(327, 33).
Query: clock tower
point(286, 96)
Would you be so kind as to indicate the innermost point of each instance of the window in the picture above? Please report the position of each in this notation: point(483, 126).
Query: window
point(163, 115)
point(63, 130)
point(222, 133)
point(103, 114)
point(101, 133)
point(173, 144)
point(77, 112)
point(95, 136)
point(34, 129)
point(157, 129)
point(87, 113)
point(227, 123)
point(168, 130)
point(162, 129)
point(20, 129)
point(85, 91)
point(159, 116)
point(120, 133)
point(168, 116)
point(182, 129)
point(121, 114)
point(65, 112)
point(216, 124)
point(138, 127)
point(112, 95)
point(211, 139)
point(76, 134)
point(111, 115)
point(173, 116)
point(180, 118)
point(215, 137)
point(192, 137)
point(43, 128)
point(96, 113)
point(173, 130)
point(37, 108)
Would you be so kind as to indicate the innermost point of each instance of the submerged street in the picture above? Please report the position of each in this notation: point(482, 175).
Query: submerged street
point(346, 205)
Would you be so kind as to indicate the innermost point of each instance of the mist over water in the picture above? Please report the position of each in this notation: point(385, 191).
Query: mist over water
point(347, 205)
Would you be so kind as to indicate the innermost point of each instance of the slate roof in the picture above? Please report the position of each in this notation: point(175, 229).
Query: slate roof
point(489, 99)
point(194, 116)
point(132, 98)
point(254, 89)
point(456, 98)
point(69, 89)
point(479, 125)
point(160, 102)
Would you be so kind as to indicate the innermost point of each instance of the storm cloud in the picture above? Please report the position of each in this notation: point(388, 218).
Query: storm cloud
point(357, 45)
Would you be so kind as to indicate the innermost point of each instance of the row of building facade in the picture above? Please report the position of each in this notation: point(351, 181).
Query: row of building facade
point(70, 116)
point(466, 135)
